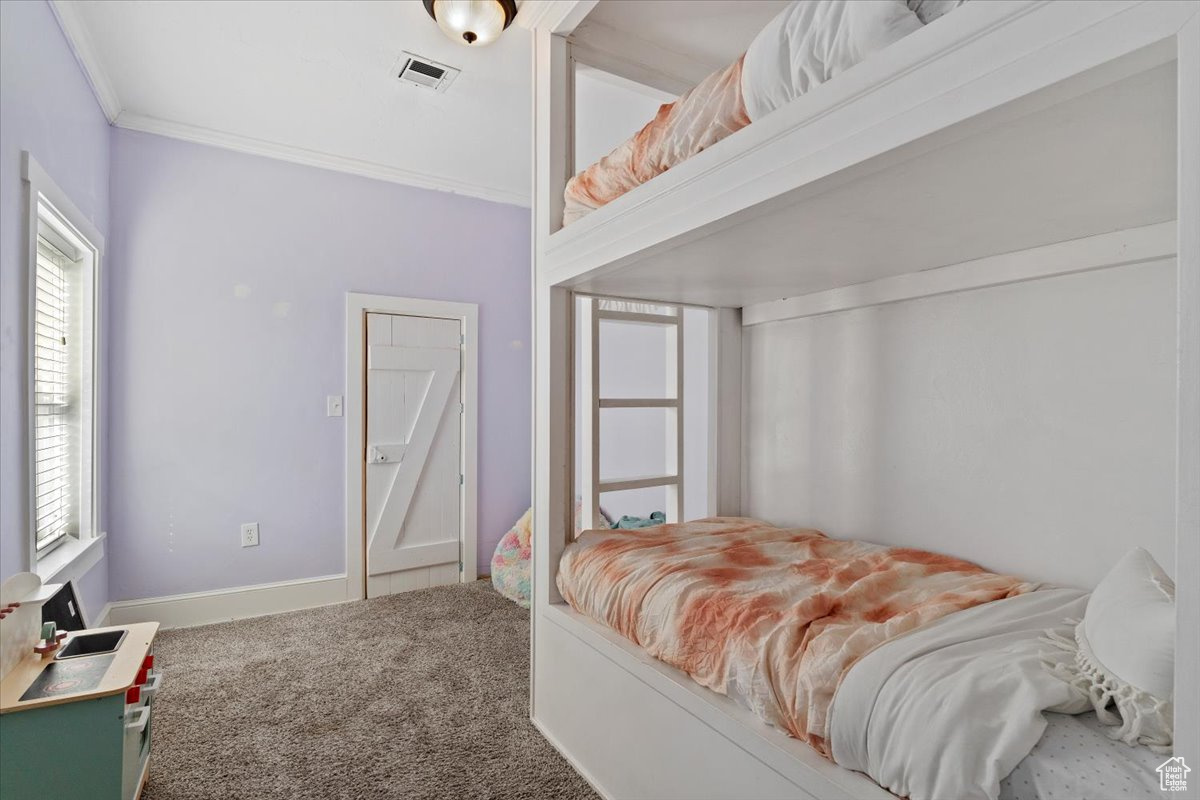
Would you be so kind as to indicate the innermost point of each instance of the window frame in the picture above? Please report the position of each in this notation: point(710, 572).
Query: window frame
point(47, 204)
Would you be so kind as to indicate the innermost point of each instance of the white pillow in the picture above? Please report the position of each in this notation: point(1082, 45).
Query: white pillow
point(1125, 651)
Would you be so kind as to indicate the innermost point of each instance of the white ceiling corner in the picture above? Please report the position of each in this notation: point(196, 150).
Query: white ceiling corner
point(67, 14)
point(313, 83)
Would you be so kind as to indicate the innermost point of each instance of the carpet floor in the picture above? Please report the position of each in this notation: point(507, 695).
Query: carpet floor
point(417, 695)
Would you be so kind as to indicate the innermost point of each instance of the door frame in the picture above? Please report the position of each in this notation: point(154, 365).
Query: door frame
point(358, 305)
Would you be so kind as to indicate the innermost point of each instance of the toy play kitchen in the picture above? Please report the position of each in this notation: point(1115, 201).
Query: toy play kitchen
point(75, 707)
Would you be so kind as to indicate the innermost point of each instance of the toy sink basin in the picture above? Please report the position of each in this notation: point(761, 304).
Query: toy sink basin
point(91, 644)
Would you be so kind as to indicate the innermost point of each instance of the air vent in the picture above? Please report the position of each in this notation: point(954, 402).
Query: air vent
point(424, 72)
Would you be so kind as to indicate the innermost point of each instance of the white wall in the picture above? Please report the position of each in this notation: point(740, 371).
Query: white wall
point(632, 441)
point(47, 108)
point(1029, 428)
point(609, 110)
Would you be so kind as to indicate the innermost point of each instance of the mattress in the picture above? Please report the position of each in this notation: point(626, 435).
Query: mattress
point(1076, 751)
point(808, 43)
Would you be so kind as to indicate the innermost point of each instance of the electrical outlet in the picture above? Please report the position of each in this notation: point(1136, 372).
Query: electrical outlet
point(250, 534)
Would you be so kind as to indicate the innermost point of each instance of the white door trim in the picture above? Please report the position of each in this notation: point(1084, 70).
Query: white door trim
point(357, 307)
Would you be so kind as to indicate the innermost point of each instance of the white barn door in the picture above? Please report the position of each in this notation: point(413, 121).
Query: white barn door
point(413, 453)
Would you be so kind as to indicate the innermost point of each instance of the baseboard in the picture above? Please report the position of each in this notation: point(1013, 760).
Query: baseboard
point(222, 605)
point(570, 759)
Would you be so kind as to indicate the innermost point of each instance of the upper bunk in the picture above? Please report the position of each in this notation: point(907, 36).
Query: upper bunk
point(1000, 127)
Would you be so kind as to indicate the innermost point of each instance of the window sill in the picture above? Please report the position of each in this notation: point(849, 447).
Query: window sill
point(70, 560)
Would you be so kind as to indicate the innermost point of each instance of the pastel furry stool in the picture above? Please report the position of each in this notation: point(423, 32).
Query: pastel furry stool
point(511, 561)
point(514, 552)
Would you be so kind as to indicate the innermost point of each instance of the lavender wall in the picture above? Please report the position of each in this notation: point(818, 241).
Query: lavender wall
point(227, 332)
point(47, 108)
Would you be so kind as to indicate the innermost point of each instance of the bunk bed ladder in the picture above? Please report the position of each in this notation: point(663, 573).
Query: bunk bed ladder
point(591, 484)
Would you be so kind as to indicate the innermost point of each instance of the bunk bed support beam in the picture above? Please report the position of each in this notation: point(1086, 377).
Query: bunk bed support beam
point(1187, 494)
point(587, 380)
point(725, 412)
point(553, 406)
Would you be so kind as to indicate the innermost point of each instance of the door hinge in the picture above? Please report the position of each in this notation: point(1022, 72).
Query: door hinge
point(462, 408)
point(460, 479)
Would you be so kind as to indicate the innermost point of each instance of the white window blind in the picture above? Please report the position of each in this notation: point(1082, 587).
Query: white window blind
point(56, 469)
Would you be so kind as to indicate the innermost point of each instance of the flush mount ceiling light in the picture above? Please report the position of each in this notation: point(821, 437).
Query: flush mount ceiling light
point(472, 22)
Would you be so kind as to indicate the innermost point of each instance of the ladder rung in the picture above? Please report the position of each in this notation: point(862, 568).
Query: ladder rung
point(624, 484)
point(639, 402)
point(638, 317)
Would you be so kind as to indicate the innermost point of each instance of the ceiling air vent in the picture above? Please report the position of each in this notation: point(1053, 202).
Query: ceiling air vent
point(425, 72)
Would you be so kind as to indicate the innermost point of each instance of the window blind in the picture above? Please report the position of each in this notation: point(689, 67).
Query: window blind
point(55, 472)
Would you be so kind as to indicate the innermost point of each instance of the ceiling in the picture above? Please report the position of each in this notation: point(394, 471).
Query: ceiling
point(314, 82)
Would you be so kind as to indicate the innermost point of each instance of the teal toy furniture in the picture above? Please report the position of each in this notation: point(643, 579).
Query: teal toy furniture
point(75, 722)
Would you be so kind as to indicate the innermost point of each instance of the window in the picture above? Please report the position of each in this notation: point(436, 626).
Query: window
point(63, 417)
point(55, 393)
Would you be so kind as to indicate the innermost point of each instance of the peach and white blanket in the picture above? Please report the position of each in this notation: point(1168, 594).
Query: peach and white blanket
point(773, 617)
point(806, 44)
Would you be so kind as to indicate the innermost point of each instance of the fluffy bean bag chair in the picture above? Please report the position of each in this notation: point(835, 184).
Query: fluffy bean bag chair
point(511, 561)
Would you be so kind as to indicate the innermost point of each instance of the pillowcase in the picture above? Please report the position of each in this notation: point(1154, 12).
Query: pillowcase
point(1124, 652)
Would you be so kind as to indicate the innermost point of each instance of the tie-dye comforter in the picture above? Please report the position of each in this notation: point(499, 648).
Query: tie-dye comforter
point(773, 617)
point(806, 44)
point(700, 118)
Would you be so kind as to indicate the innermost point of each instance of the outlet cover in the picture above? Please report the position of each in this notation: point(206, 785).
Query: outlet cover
point(250, 534)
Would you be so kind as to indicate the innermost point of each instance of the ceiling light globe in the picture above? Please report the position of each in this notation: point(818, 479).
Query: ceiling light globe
point(472, 22)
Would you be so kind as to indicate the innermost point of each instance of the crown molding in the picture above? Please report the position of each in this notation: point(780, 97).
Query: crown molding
point(80, 42)
point(316, 158)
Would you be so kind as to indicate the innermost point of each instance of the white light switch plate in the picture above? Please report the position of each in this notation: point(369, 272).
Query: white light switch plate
point(333, 405)
point(249, 534)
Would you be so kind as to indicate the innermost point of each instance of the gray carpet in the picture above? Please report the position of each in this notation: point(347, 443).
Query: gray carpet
point(418, 695)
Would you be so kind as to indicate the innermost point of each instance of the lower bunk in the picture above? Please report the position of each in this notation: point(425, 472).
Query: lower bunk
point(932, 676)
point(637, 728)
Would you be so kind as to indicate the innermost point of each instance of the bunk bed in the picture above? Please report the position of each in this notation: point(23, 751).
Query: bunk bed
point(992, 222)
point(805, 45)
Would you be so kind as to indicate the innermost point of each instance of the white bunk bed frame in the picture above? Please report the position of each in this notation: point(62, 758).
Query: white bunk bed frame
point(631, 725)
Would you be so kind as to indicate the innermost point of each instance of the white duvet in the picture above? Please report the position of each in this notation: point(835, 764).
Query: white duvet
point(947, 711)
point(809, 42)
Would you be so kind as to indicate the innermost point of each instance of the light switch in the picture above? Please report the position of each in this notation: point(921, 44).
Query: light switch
point(333, 405)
